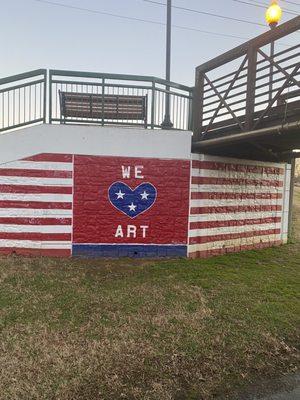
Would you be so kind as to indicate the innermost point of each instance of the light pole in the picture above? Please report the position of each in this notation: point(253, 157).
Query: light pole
point(167, 124)
point(273, 16)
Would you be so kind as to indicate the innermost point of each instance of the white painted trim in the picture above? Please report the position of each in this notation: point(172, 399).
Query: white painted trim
point(95, 140)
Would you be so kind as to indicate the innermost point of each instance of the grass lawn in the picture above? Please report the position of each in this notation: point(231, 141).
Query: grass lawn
point(149, 330)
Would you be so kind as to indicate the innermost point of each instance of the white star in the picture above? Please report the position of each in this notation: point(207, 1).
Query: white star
point(132, 207)
point(145, 195)
point(120, 195)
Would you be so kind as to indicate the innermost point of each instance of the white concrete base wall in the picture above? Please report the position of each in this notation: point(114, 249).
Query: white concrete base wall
point(94, 140)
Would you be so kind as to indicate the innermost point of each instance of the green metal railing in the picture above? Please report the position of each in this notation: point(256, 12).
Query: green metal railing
point(34, 97)
point(155, 91)
point(23, 99)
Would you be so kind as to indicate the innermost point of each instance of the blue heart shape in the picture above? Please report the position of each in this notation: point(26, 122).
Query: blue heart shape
point(132, 202)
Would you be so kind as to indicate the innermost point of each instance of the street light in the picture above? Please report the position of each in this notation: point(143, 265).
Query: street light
point(273, 16)
point(167, 124)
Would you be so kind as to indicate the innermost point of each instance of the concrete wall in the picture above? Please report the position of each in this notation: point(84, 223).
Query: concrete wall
point(100, 191)
point(237, 205)
point(94, 191)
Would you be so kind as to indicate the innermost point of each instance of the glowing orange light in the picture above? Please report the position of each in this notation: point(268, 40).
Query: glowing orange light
point(273, 14)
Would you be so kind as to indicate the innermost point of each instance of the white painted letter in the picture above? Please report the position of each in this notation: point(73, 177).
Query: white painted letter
point(144, 228)
point(125, 172)
point(138, 171)
point(131, 229)
point(119, 231)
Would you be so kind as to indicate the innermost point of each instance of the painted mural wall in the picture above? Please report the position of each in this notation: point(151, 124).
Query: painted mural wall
point(100, 198)
point(115, 192)
point(237, 205)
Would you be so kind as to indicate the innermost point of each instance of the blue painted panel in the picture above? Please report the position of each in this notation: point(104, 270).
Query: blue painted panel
point(130, 250)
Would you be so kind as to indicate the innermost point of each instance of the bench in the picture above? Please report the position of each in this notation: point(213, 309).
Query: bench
point(105, 107)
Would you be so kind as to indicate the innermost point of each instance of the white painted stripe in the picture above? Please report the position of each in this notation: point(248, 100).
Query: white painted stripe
point(47, 166)
point(233, 242)
point(197, 157)
point(235, 202)
point(208, 173)
point(24, 180)
point(234, 216)
point(235, 188)
point(228, 160)
point(42, 197)
point(31, 244)
point(232, 229)
point(29, 213)
point(5, 228)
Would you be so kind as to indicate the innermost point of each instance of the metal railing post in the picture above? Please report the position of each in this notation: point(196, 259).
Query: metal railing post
point(45, 98)
point(190, 112)
point(50, 97)
point(251, 84)
point(153, 105)
point(103, 94)
point(198, 97)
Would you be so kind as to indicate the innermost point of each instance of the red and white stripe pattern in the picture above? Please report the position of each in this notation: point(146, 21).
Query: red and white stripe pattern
point(235, 205)
point(36, 205)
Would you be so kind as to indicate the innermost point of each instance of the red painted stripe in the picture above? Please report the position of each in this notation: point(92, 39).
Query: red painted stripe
point(234, 209)
point(35, 221)
point(219, 166)
point(230, 236)
point(35, 189)
point(35, 205)
point(235, 249)
point(35, 252)
point(50, 157)
point(201, 180)
point(35, 173)
point(55, 237)
point(239, 222)
point(234, 196)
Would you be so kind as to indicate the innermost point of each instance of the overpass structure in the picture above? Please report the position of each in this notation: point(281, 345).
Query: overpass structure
point(251, 110)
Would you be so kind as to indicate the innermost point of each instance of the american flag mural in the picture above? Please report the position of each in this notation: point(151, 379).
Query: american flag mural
point(36, 196)
point(103, 206)
point(236, 205)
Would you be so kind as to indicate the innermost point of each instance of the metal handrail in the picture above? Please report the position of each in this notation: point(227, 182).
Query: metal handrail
point(25, 75)
point(246, 97)
point(128, 77)
point(23, 99)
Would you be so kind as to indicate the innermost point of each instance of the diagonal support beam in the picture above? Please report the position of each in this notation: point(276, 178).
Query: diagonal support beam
point(286, 83)
point(224, 102)
point(275, 64)
point(226, 93)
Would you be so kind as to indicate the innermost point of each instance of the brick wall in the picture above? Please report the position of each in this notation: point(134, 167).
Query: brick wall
point(237, 205)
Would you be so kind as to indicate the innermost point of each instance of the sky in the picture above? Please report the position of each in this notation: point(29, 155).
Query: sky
point(37, 34)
